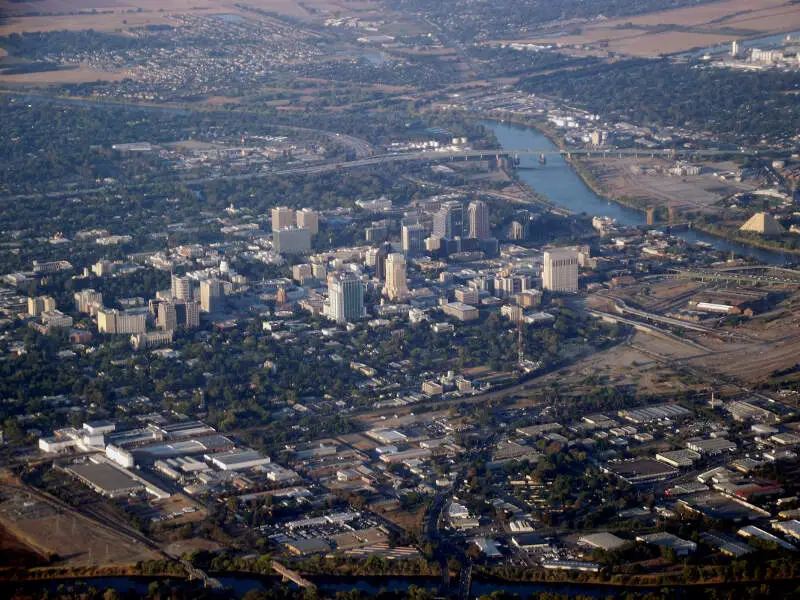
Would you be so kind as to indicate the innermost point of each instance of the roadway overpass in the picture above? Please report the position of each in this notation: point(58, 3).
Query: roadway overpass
point(453, 155)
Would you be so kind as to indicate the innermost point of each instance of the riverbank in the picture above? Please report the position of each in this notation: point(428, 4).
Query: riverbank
point(592, 183)
point(731, 235)
point(95, 572)
point(519, 133)
point(239, 583)
point(557, 141)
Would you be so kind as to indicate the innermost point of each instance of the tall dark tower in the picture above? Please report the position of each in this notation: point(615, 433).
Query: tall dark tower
point(380, 260)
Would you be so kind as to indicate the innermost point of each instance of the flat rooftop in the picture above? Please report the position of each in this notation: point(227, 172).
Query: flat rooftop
point(105, 478)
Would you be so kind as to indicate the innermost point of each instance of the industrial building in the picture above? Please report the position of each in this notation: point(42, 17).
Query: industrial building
point(603, 541)
point(641, 471)
point(663, 539)
point(106, 479)
point(237, 460)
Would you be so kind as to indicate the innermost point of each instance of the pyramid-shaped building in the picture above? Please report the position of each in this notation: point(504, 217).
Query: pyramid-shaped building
point(764, 224)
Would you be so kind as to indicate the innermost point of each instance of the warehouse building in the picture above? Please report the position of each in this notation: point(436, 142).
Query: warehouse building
point(678, 458)
point(711, 446)
point(641, 471)
point(602, 541)
point(663, 539)
point(106, 479)
point(237, 460)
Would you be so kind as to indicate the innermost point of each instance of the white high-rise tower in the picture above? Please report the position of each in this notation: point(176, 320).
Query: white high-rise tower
point(181, 288)
point(478, 212)
point(345, 298)
point(560, 272)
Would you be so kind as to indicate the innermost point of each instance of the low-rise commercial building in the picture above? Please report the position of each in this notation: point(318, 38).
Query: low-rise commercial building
point(460, 311)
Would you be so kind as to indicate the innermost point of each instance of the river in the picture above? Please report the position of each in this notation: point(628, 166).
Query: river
point(563, 186)
point(238, 585)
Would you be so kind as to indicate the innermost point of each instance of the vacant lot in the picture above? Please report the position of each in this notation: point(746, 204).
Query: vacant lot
point(682, 29)
point(638, 363)
point(15, 553)
point(74, 539)
point(628, 178)
point(123, 14)
point(79, 75)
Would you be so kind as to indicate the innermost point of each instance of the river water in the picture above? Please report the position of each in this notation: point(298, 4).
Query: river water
point(558, 182)
point(238, 585)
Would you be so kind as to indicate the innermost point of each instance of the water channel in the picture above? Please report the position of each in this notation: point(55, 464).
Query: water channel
point(240, 584)
point(561, 184)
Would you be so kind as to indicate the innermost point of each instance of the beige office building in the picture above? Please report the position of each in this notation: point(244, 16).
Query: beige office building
point(282, 217)
point(560, 272)
point(308, 219)
point(396, 287)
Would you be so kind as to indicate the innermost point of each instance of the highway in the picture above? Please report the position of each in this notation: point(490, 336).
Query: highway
point(436, 155)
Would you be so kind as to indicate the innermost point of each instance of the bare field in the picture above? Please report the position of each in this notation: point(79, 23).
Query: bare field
point(638, 363)
point(76, 540)
point(713, 14)
point(668, 42)
point(181, 547)
point(713, 23)
point(154, 12)
point(79, 75)
point(15, 553)
point(618, 179)
point(98, 22)
point(752, 363)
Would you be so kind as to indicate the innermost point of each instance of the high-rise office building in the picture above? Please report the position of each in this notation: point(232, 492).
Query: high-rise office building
point(172, 314)
point(560, 272)
point(478, 212)
point(292, 241)
point(414, 239)
point(41, 304)
point(167, 316)
point(308, 219)
point(507, 285)
point(115, 321)
point(189, 316)
point(380, 260)
point(396, 287)
point(282, 217)
point(345, 297)
point(88, 301)
point(212, 295)
point(516, 231)
point(377, 232)
point(448, 222)
point(181, 288)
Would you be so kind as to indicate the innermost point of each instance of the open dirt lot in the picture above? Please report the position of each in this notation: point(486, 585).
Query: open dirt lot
point(752, 363)
point(693, 27)
point(15, 553)
point(77, 15)
point(80, 75)
point(76, 540)
point(638, 362)
point(619, 178)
